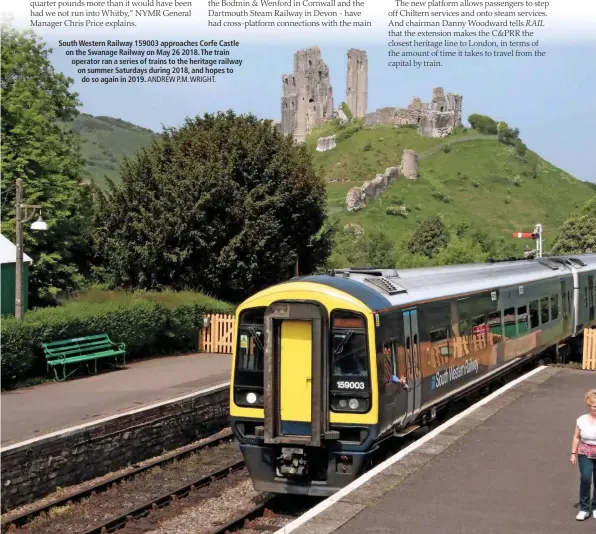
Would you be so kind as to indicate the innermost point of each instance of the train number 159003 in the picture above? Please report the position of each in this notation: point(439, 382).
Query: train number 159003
point(350, 385)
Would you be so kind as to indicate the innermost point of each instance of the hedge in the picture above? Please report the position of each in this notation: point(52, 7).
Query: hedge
point(149, 323)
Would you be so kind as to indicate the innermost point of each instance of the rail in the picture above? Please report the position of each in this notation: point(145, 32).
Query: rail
point(27, 517)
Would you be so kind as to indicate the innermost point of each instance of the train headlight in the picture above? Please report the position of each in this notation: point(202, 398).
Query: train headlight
point(343, 403)
point(353, 404)
point(251, 398)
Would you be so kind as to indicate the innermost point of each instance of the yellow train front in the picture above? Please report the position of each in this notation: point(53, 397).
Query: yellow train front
point(303, 401)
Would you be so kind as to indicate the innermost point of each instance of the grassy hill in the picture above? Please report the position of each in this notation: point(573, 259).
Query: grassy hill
point(105, 141)
point(465, 177)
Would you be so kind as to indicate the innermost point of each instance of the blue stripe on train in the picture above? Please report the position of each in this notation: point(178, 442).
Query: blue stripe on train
point(368, 296)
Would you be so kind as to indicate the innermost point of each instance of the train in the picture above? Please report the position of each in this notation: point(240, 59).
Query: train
point(327, 367)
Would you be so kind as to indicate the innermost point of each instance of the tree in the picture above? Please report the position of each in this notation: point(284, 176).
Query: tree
point(223, 204)
point(578, 233)
point(459, 251)
point(429, 238)
point(39, 147)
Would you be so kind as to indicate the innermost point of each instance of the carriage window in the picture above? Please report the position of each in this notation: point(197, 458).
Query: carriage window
point(439, 335)
point(554, 306)
point(389, 364)
point(509, 329)
point(250, 350)
point(544, 310)
point(348, 345)
point(534, 314)
point(522, 320)
point(494, 323)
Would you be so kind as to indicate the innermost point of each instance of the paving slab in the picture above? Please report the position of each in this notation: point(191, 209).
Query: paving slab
point(51, 406)
point(503, 469)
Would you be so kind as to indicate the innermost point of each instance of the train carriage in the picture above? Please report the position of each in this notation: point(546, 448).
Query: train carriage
point(328, 366)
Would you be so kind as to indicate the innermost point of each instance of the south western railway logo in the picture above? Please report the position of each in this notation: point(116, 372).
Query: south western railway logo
point(453, 373)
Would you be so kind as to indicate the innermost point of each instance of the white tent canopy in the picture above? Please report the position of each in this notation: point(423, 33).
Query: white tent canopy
point(8, 252)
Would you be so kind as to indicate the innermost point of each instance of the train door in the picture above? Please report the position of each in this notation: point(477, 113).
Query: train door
point(295, 401)
point(413, 366)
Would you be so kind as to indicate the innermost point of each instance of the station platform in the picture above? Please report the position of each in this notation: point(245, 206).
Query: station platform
point(52, 406)
point(501, 466)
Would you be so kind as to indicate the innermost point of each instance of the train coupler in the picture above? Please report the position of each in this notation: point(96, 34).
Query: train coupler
point(292, 462)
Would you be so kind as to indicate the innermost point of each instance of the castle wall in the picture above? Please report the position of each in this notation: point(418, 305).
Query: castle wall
point(307, 96)
point(435, 119)
point(357, 82)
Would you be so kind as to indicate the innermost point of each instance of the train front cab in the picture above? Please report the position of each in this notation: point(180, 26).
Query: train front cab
point(302, 404)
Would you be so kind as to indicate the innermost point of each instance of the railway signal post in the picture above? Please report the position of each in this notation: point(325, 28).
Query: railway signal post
point(536, 234)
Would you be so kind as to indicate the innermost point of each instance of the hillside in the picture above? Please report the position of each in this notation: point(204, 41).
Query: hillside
point(105, 141)
point(465, 177)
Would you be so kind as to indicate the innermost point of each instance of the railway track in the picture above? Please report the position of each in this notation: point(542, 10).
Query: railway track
point(26, 517)
point(271, 515)
point(120, 521)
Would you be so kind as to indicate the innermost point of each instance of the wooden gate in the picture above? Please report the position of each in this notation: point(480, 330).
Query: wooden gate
point(218, 336)
point(589, 356)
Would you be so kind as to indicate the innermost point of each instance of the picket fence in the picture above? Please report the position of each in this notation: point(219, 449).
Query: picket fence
point(589, 355)
point(218, 336)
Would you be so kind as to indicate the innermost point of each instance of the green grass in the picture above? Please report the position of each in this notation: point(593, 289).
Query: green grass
point(478, 179)
point(105, 141)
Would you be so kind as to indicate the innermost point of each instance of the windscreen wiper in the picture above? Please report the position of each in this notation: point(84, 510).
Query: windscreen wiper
point(253, 332)
point(344, 341)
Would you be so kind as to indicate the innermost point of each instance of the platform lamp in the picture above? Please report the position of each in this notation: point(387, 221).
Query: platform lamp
point(40, 224)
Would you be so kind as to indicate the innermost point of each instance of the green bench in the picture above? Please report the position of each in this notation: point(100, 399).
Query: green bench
point(81, 350)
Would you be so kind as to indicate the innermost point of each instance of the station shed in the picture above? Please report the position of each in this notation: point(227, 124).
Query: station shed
point(8, 271)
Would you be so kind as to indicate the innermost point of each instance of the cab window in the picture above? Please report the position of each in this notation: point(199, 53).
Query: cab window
point(349, 354)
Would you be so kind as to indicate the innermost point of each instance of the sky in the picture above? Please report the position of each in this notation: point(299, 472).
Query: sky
point(550, 99)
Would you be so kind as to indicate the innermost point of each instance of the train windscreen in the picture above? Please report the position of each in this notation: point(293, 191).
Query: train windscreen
point(250, 355)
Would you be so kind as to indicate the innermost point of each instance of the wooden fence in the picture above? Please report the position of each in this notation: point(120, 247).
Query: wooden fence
point(589, 355)
point(218, 336)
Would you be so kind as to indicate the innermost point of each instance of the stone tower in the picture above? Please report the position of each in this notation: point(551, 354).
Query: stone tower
point(439, 103)
point(307, 96)
point(454, 103)
point(357, 83)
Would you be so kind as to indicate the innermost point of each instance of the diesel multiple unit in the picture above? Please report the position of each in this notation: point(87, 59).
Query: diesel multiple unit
point(326, 367)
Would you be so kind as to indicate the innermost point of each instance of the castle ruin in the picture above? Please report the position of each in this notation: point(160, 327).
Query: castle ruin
point(358, 197)
point(437, 118)
point(357, 83)
point(307, 98)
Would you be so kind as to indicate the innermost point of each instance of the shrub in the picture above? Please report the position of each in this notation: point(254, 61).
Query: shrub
point(149, 323)
point(348, 112)
point(483, 124)
point(395, 210)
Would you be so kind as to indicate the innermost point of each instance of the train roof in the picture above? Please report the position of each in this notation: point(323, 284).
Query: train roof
point(386, 288)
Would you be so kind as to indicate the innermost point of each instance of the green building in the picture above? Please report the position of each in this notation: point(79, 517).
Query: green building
point(8, 271)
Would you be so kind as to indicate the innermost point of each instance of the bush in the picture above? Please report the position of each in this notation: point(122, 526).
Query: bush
point(149, 323)
point(347, 111)
point(483, 124)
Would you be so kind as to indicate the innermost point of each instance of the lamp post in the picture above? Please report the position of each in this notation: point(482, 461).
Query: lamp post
point(37, 225)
